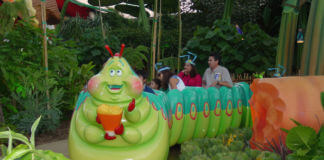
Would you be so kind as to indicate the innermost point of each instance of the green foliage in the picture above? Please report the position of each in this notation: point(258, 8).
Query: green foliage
point(300, 139)
point(26, 150)
point(136, 57)
point(258, 75)
point(322, 99)
point(243, 11)
point(23, 88)
point(266, 13)
point(9, 11)
point(143, 17)
point(45, 155)
point(74, 82)
point(305, 143)
point(255, 53)
point(172, 62)
point(35, 102)
point(230, 146)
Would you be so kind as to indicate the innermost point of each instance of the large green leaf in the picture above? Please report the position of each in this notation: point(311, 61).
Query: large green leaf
point(33, 129)
point(3, 150)
point(9, 142)
point(16, 136)
point(322, 98)
point(301, 138)
point(18, 152)
point(210, 34)
point(321, 139)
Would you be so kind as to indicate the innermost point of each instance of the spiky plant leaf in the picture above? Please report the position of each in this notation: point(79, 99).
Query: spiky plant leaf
point(9, 142)
point(18, 152)
point(33, 129)
point(16, 136)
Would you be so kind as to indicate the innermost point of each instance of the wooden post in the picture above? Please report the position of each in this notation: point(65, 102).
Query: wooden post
point(160, 32)
point(43, 13)
point(180, 34)
point(154, 38)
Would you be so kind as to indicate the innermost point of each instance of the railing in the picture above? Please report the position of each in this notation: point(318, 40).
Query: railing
point(244, 77)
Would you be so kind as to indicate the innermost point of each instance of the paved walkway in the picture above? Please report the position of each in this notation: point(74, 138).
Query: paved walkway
point(62, 147)
point(58, 146)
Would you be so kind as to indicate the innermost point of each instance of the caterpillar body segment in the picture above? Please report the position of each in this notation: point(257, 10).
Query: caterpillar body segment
point(196, 112)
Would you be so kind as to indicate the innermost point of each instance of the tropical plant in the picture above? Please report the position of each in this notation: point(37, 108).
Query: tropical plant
point(9, 12)
point(26, 150)
point(240, 53)
point(305, 143)
point(243, 11)
point(33, 102)
point(23, 88)
point(91, 42)
point(232, 145)
point(172, 62)
point(136, 57)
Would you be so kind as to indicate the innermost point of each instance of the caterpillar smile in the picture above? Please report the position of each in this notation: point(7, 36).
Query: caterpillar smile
point(115, 87)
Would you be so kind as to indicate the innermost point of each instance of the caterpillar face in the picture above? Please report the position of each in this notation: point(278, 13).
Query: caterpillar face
point(116, 82)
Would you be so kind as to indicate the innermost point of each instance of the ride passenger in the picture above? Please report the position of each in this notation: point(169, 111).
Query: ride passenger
point(155, 84)
point(143, 76)
point(170, 80)
point(216, 75)
point(189, 75)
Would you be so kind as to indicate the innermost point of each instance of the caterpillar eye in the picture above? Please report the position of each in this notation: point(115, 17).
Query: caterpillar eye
point(119, 73)
point(112, 72)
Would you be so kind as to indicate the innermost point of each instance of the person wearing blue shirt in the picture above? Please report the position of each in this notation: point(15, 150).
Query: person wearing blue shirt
point(143, 76)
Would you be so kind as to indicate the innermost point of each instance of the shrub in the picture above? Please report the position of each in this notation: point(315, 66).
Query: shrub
point(232, 145)
point(24, 87)
point(256, 53)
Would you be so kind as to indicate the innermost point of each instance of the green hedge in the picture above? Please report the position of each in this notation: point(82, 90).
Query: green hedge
point(230, 146)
